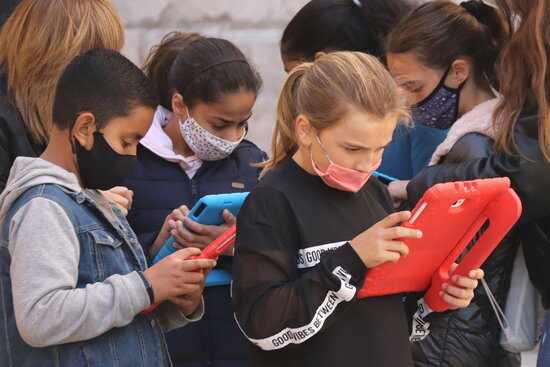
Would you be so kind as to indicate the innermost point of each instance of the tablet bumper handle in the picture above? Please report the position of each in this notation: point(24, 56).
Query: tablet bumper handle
point(499, 226)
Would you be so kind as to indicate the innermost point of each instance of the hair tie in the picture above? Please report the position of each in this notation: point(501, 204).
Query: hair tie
point(358, 3)
point(476, 8)
point(206, 68)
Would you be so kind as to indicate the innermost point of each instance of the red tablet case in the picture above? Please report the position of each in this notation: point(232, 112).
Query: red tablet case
point(449, 216)
point(212, 251)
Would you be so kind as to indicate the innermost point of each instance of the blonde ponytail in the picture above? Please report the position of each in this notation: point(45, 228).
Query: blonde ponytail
point(324, 90)
point(283, 143)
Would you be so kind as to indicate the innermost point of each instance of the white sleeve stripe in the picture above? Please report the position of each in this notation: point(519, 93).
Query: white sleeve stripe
point(311, 256)
point(301, 334)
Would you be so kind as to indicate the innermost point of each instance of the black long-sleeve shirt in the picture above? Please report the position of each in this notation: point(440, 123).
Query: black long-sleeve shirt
point(529, 173)
point(14, 140)
point(527, 169)
point(296, 276)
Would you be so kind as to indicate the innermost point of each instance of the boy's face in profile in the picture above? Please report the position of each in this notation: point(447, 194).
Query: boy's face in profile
point(106, 157)
point(123, 133)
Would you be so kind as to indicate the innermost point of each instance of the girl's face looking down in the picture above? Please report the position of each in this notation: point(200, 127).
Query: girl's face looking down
point(289, 63)
point(418, 80)
point(355, 142)
point(227, 118)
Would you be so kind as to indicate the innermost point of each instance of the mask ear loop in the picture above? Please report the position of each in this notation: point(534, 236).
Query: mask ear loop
point(324, 150)
point(187, 111)
point(188, 117)
point(323, 147)
point(458, 91)
point(71, 127)
point(438, 86)
point(310, 154)
point(315, 166)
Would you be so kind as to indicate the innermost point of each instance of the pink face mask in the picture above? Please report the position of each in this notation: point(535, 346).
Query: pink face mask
point(339, 177)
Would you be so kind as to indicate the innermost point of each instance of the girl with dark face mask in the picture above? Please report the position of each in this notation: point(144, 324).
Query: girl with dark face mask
point(196, 147)
point(522, 146)
point(324, 26)
point(444, 57)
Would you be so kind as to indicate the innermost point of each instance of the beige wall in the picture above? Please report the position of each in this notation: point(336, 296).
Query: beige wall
point(255, 26)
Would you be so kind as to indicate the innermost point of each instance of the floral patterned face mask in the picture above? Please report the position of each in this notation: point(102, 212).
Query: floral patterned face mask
point(206, 146)
point(440, 109)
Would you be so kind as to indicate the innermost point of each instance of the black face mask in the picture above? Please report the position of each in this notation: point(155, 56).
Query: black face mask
point(440, 109)
point(101, 167)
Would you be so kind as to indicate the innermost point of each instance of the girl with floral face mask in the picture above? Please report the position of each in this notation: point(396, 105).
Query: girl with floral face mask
point(196, 147)
point(316, 222)
point(444, 55)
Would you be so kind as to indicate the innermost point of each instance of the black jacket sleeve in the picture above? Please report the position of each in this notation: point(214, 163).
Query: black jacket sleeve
point(276, 305)
point(6, 160)
point(528, 171)
point(14, 141)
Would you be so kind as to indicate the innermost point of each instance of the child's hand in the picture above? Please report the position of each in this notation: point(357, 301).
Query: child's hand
point(176, 276)
point(177, 214)
point(377, 244)
point(121, 196)
point(398, 192)
point(189, 302)
point(461, 294)
point(204, 234)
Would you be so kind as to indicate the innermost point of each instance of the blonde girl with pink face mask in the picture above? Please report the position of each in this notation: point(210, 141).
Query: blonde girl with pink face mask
point(317, 220)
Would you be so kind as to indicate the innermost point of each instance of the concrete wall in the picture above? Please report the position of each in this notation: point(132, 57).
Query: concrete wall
point(255, 26)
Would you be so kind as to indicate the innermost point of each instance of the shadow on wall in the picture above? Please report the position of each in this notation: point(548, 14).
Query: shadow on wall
point(254, 26)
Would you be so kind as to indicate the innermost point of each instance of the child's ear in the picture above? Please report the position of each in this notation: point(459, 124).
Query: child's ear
point(319, 54)
point(83, 130)
point(179, 107)
point(304, 131)
point(459, 73)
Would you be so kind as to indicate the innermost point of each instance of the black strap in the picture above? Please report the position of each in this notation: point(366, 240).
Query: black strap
point(148, 287)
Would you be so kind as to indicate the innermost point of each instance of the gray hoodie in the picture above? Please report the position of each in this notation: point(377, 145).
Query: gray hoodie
point(44, 251)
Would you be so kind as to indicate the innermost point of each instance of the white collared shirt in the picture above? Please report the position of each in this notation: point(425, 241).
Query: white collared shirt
point(158, 142)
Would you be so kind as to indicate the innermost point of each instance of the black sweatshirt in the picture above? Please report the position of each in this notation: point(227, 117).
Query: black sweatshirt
point(296, 276)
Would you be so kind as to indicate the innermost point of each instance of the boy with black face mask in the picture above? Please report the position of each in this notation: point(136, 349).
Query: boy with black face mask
point(73, 277)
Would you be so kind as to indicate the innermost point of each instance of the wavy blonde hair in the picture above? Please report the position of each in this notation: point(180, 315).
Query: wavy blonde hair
point(324, 90)
point(39, 40)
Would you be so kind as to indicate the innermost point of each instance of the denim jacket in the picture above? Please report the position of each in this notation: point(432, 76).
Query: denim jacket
point(106, 248)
